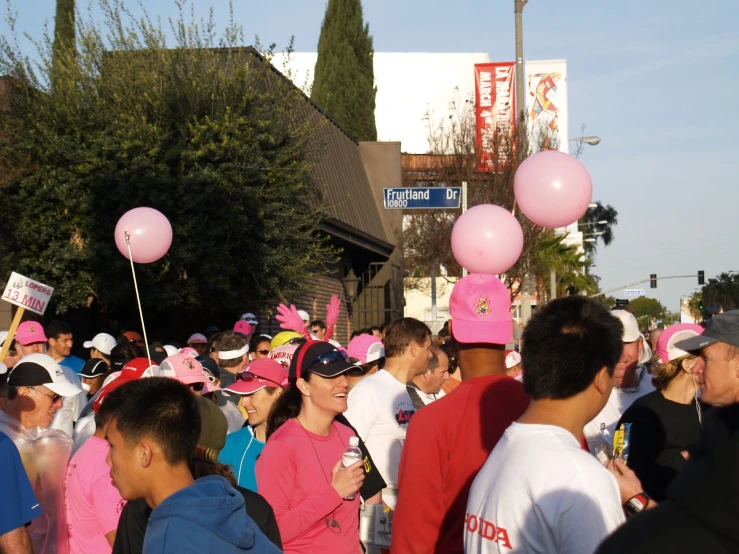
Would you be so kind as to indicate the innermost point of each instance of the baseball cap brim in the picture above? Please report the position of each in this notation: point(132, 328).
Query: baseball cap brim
point(246, 387)
point(697, 342)
point(63, 388)
point(493, 332)
point(334, 369)
point(88, 344)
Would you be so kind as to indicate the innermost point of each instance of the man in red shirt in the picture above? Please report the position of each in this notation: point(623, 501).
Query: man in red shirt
point(449, 440)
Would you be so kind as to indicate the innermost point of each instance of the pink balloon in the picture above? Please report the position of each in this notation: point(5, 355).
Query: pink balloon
point(487, 239)
point(553, 189)
point(150, 234)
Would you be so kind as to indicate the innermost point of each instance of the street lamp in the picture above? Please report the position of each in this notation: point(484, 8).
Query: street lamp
point(520, 86)
point(350, 282)
point(592, 141)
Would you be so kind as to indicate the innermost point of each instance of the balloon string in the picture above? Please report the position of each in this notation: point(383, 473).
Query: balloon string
point(138, 298)
point(513, 211)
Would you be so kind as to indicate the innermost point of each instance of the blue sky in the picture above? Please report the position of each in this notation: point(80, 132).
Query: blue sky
point(657, 80)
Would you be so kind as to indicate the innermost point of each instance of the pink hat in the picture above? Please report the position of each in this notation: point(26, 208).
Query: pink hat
point(480, 307)
point(257, 375)
point(283, 355)
point(197, 338)
point(30, 332)
point(242, 327)
point(184, 368)
point(666, 349)
point(366, 349)
point(189, 351)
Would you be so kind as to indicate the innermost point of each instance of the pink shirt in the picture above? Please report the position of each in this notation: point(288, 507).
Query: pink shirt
point(298, 487)
point(93, 503)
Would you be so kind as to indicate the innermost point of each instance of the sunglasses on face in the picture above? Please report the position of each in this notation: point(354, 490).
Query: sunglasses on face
point(197, 387)
point(247, 377)
point(263, 352)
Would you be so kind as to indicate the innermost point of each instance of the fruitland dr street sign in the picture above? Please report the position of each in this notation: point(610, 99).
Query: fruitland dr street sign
point(419, 198)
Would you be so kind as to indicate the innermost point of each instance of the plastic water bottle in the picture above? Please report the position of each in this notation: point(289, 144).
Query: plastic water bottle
point(351, 455)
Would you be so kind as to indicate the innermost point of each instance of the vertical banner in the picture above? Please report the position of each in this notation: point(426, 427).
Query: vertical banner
point(495, 114)
point(546, 104)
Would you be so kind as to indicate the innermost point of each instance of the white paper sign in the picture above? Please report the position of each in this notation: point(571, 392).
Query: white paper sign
point(27, 293)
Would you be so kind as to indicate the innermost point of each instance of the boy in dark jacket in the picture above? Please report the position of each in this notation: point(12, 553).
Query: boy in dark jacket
point(153, 429)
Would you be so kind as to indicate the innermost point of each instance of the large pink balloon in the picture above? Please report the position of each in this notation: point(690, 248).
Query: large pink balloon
point(487, 239)
point(150, 231)
point(553, 189)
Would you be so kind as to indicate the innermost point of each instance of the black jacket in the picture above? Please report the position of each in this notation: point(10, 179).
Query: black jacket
point(701, 511)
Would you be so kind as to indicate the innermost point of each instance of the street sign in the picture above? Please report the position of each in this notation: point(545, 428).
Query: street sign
point(634, 292)
point(422, 198)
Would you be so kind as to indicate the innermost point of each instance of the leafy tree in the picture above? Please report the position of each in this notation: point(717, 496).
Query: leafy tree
point(589, 224)
point(720, 294)
point(209, 136)
point(344, 80)
point(647, 308)
point(64, 34)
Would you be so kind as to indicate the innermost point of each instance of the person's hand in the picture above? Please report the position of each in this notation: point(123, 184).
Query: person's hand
point(349, 480)
point(628, 483)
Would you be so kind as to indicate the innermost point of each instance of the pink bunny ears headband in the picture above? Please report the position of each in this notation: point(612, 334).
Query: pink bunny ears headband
point(290, 319)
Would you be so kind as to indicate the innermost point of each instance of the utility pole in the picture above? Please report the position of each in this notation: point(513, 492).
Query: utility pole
point(520, 77)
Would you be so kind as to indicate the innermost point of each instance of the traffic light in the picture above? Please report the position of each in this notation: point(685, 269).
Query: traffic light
point(701, 278)
point(653, 281)
point(621, 302)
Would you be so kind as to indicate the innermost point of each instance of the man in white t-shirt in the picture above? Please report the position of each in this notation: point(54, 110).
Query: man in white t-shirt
point(425, 388)
point(539, 491)
point(631, 380)
point(379, 405)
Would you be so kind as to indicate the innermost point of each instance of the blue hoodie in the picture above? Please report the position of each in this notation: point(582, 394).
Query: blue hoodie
point(209, 516)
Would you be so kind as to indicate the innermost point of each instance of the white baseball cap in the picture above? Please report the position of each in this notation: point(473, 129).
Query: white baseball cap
point(102, 342)
point(250, 318)
point(39, 369)
point(631, 327)
point(3, 336)
point(304, 315)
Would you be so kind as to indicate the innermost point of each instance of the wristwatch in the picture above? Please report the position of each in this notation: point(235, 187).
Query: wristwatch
point(635, 504)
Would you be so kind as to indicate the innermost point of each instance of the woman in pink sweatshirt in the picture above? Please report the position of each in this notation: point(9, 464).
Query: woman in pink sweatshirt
point(299, 471)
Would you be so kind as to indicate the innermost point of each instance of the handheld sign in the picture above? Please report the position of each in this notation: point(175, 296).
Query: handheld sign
point(27, 294)
point(422, 198)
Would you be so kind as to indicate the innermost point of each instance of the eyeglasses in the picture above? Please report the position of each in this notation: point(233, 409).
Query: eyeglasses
point(54, 397)
point(197, 387)
point(248, 377)
point(330, 358)
point(263, 352)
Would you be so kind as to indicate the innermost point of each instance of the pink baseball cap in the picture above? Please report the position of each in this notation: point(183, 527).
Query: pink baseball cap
point(242, 327)
point(283, 355)
point(666, 349)
point(480, 308)
point(30, 332)
point(184, 368)
point(366, 349)
point(257, 375)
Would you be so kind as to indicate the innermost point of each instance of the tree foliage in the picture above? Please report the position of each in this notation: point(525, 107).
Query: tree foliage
point(720, 294)
point(588, 225)
point(199, 129)
point(645, 307)
point(344, 80)
point(452, 160)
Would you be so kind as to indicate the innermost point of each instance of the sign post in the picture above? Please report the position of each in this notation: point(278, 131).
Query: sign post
point(27, 294)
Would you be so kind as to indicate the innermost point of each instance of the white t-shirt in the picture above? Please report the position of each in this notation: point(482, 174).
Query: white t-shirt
point(618, 403)
point(380, 409)
point(539, 492)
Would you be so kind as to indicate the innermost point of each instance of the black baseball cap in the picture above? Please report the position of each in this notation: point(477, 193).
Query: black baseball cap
point(319, 357)
point(210, 366)
point(720, 328)
point(94, 368)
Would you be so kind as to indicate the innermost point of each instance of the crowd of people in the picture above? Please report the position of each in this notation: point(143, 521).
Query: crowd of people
point(575, 436)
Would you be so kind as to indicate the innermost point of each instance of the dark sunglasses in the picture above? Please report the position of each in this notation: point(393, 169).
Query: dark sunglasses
point(197, 387)
point(263, 352)
point(247, 377)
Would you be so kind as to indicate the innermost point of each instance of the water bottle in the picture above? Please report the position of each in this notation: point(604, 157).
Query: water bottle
point(351, 455)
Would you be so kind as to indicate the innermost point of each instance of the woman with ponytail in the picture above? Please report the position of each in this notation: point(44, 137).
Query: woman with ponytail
point(300, 472)
point(666, 423)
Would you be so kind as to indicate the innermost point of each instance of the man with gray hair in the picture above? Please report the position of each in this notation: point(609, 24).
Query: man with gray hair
point(425, 388)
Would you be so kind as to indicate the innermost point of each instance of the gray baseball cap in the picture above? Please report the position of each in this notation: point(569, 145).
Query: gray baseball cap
point(720, 328)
